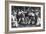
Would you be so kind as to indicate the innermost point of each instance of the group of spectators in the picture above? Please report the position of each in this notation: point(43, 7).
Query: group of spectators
point(26, 17)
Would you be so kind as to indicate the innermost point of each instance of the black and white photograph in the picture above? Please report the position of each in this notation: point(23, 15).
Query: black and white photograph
point(24, 17)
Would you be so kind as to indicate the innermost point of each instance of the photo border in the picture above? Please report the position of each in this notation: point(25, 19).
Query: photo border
point(7, 15)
